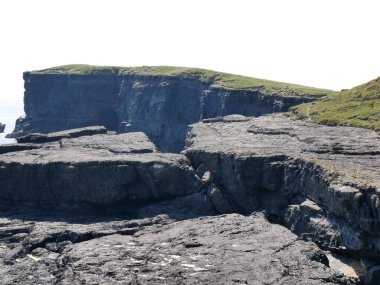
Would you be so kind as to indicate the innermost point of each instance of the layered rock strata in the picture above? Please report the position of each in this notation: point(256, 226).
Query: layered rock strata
point(67, 134)
point(161, 106)
point(321, 182)
point(99, 170)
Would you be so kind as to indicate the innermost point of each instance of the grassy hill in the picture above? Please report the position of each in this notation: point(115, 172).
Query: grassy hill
point(359, 107)
point(215, 78)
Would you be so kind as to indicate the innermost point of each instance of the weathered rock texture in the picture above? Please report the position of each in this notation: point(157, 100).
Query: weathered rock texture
point(99, 170)
point(227, 249)
point(321, 182)
point(160, 106)
point(2, 127)
point(52, 137)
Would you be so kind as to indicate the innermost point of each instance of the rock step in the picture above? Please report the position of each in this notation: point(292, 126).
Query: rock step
point(101, 170)
point(274, 164)
point(56, 136)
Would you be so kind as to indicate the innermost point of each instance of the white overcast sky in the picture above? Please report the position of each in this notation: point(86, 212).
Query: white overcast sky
point(323, 43)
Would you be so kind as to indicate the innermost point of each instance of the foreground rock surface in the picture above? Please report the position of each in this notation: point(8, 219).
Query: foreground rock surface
point(321, 183)
point(227, 249)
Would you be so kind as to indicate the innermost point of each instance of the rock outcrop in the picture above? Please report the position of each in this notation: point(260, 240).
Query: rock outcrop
point(161, 106)
point(322, 183)
point(227, 249)
point(2, 127)
point(52, 137)
point(100, 170)
point(249, 200)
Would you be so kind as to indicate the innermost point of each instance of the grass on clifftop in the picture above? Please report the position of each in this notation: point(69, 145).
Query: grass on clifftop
point(357, 107)
point(215, 78)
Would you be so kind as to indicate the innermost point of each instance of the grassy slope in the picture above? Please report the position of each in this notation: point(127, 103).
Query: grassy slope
point(215, 78)
point(359, 107)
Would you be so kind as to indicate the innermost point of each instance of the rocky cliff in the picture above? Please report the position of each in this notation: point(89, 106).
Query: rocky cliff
point(2, 127)
point(159, 101)
point(258, 199)
point(322, 182)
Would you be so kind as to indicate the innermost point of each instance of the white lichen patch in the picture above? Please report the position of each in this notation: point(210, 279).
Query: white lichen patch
point(194, 267)
point(136, 261)
point(35, 258)
point(176, 257)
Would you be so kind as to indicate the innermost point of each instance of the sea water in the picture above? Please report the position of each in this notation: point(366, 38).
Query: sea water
point(8, 115)
point(4, 140)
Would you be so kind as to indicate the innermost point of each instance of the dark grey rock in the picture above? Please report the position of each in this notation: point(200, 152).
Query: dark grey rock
point(219, 201)
point(275, 164)
point(311, 222)
point(373, 277)
point(160, 106)
point(4, 148)
point(227, 249)
point(180, 208)
point(273, 176)
point(101, 170)
point(72, 133)
point(226, 119)
point(2, 127)
point(320, 182)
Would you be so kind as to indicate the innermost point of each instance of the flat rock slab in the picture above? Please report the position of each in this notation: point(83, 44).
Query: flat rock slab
point(353, 152)
point(5, 148)
point(56, 136)
point(227, 249)
point(102, 169)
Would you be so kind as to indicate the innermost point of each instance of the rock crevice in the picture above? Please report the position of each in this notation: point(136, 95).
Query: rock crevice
point(281, 167)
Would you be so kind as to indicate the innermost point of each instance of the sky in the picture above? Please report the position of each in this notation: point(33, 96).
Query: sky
point(332, 44)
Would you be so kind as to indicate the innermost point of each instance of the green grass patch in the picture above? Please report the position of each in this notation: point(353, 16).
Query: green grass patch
point(358, 107)
point(80, 69)
point(214, 78)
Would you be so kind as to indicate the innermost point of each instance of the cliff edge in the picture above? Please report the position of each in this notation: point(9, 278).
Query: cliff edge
point(159, 101)
point(253, 195)
point(299, 184)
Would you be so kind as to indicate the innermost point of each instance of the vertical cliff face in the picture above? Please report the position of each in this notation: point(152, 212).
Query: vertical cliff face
point(162, 106)
point(2, 127)
point(58, 102)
